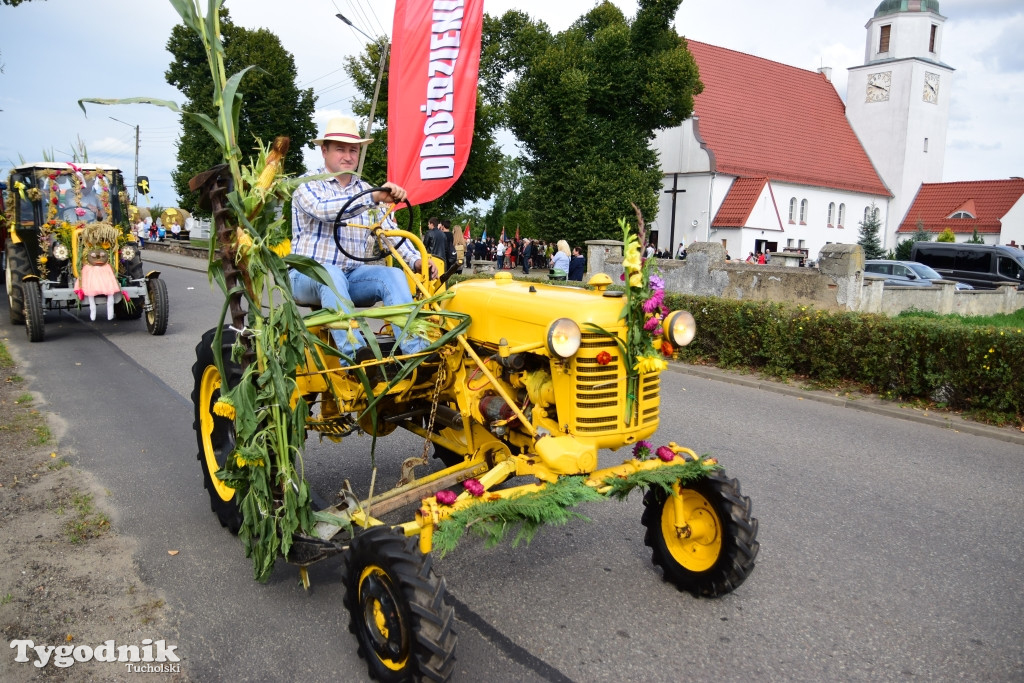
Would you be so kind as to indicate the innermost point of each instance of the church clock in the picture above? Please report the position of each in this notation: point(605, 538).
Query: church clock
point(878, 86)
point(931, 87)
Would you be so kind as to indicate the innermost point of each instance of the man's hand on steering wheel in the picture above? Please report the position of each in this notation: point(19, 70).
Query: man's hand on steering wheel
point(391, 193)
point(433, 268)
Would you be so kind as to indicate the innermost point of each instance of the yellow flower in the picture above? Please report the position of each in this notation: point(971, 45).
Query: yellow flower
point(631, 260)
point(105, 244)
point(225, 408)
point(636, 280)
point(646, 364)
point(239, 460)
point(282, 248)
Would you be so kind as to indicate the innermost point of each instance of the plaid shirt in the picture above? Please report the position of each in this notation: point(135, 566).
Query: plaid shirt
point(315, 205)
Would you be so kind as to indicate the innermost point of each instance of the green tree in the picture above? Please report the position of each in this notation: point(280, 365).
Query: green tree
point(482, 172)
point(586, 104)
point(976, 238)
point(281, 108)
point(869, 239)
point(946, 236)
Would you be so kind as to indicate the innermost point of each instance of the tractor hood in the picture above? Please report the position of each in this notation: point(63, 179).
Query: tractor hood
point(522, 312)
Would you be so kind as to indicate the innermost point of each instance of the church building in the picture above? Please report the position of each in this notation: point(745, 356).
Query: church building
point(773, 159)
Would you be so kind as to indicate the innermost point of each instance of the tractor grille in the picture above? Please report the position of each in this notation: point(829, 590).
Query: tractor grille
point(601, 390)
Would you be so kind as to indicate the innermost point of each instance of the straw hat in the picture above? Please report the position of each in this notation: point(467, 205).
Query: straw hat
point(342, 129)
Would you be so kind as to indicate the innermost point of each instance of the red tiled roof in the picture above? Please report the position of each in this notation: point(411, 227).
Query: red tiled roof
point(987, 200)
point(763, 118)
point(739, 202)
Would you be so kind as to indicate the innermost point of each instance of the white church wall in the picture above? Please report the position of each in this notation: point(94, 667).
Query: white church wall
point(1013, 225)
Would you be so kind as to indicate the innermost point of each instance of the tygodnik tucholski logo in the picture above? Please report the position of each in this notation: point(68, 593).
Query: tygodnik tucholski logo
point(150, 657)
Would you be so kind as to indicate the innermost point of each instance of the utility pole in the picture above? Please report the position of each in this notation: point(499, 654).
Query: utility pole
point(376, 90)
point(135, 184)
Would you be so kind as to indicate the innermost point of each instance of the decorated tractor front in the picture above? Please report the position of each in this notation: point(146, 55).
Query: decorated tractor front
point(69, 246)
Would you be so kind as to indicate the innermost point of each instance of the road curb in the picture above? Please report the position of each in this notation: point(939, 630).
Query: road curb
point(868, 404)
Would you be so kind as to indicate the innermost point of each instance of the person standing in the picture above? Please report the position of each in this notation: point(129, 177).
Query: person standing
point(435, 242)
point(681, 252)
point(450, 258)
point(576, 265)
point(315, 206)
point(499, 252)
point(527, 255)
point(560, 261)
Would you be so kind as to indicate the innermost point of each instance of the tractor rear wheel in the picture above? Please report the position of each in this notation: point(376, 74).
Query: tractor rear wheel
point(398, 609)
point(34, 320)
point(215, 434)
point(17, 267)
point(717, 552)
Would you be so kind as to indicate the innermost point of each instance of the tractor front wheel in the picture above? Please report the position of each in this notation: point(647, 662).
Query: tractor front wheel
point(215, 434)
point(398, 609)
point(156, 316)
point(713, 552)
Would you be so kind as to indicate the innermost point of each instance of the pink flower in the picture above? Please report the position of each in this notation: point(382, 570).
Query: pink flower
point(446, 497)
point(665, 453)
point(642, 449)
point(474, 487)
point(653, 323)
point(79, 212)
point(80, 294)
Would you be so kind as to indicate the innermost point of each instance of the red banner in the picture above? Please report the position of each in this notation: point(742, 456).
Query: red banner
point(435, 57)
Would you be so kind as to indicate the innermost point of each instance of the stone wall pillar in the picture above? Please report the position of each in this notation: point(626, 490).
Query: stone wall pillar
point(598, 251)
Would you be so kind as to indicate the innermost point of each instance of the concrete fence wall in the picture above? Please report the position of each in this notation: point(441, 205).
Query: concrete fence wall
point(837, 283)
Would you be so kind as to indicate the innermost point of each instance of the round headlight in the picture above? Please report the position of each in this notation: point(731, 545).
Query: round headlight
point(564, 338)
point(680, 328)
point(60, 251)
point(127, 252)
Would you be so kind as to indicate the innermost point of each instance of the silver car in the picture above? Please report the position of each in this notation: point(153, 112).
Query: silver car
point(906, 273)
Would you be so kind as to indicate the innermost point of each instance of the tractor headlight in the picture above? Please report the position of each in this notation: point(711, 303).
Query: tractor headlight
point(127, 252)
point(60, 251)
point(564, 338)
point(680, 328)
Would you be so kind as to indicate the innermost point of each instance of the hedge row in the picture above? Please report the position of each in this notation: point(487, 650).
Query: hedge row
point(978, 370)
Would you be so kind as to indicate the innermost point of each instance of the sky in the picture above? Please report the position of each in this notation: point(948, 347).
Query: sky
point(54, 52)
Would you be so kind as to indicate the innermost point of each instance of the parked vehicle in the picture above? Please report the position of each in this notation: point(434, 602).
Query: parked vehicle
point(896, 274)
point(903, 271)
point(69, 242)
point(983, 266)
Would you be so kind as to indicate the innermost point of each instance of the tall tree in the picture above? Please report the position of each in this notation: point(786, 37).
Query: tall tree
point(586, 105)
point(480, 177)
point(869, 240)
point(280, 108)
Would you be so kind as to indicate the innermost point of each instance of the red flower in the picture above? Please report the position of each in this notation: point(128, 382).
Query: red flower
point(666, 349)
point(446, 497)
point(604, 358)
point(665, 453)
point(474, 487)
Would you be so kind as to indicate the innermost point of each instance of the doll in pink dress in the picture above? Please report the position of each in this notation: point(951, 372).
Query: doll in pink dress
point(98, 279)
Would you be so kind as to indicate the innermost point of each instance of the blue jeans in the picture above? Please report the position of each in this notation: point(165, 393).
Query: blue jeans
point(364, 286)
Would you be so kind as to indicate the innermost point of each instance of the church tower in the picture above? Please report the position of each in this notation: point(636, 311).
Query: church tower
point(898, 101)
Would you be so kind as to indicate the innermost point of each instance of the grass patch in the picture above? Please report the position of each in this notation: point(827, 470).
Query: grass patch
point(5, 357)
point(58, 464)
point(6, 599)
point(1009, 320)
point(87, 522)
point(23, 399)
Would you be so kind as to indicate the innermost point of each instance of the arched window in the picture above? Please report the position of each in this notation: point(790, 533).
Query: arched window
point(792, 210)
point(961, 214)
point(803, 212)
point(831, 214)
point(842, 215)
point(877, 213)
point(867, 213)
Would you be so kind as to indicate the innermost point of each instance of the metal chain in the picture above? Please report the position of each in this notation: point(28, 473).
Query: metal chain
point(433, 405)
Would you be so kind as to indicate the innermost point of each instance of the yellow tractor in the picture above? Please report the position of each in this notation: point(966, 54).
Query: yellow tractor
point(525, 384)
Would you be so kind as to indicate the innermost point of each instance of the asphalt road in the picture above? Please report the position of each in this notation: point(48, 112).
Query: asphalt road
point(890, 549)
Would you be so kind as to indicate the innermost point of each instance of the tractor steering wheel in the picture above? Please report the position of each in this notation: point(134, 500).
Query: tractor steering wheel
point(376, 253)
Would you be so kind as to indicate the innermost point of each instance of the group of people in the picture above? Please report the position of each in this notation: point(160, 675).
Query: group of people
point(762, 257)
point(527, 254)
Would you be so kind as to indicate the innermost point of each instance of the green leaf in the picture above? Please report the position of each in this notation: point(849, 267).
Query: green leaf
point(169, 104)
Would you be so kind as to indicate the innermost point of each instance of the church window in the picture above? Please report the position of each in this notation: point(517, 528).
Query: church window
point(931, 40)
point(883, 38)
point(803, 212)
point(792, 210)
point(802, 244)
point(842, 215)
point(926, 145)
point(831, 214)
